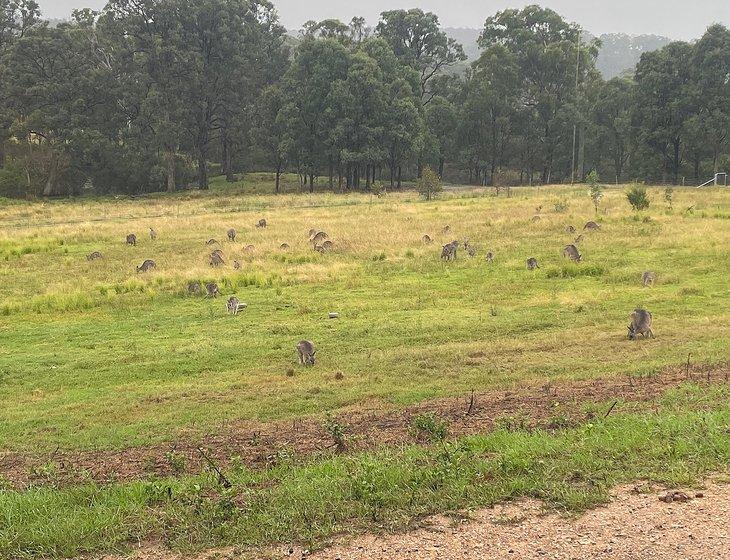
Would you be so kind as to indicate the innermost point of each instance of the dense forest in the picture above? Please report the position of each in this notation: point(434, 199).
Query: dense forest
point(151, 95)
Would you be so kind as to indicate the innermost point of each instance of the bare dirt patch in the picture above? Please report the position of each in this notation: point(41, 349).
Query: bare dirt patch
point(259, 444)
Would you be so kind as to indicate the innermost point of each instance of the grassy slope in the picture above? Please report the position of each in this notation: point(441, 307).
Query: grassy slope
point(682, 438)
point(92, 355)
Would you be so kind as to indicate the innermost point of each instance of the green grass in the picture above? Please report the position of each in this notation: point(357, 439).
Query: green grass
point(93, 355)
point(674, 441)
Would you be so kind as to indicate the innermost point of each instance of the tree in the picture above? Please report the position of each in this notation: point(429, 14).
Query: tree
point(612, 114)
point(418, 41)
point(545, 49)
point(442, 124)
point(595, 189)
point(429, 184)
point(664, 102)
point(269, 134)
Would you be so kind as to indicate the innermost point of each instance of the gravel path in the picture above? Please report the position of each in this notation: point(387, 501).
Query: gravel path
point(633, 526)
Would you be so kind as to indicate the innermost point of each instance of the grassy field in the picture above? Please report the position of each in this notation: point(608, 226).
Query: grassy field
point(93, 355)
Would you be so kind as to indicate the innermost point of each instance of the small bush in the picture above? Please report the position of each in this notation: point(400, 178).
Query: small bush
point(561, 206)
point(595, 190)
point(638, 198)
point(669, 196)
point(336, 431)
point(429, 425)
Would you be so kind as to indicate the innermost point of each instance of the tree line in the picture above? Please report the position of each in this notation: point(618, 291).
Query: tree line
point(151, 95)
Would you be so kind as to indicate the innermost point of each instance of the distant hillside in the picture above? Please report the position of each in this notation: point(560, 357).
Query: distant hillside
point(619, 53)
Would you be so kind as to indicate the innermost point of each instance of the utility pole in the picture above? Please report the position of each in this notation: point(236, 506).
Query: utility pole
point(575, 125)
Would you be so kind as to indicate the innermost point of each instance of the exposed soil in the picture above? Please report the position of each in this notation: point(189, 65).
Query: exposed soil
point(260, 444)
point(636, 525)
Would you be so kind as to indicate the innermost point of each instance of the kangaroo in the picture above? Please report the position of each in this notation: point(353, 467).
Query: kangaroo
point(448, 251)
point(578, 239)
point(490, 257)
point(284, 246)
point(471, 251)
point(153, 234)
point(446, 229)
point(211, 242)
point(327, 245)
point(571, 251)
point(261, 223)
point(216, 259)
point(570, 229)
point(217, 252)
point(318, 237)
point(427, 239)
point(640, 324)
point(212, 290)
point(231, 235)
point(249, 248)
point(95, 255)
point(532, 263)
point(131, 239)
point(648, 278)
point(306, 352)
point(536, 218)
point(236, 265)
point(146, 266)
point(312, 232)
point(234, 305)
point(193, 288)
point(319, 248)
point(592, 225)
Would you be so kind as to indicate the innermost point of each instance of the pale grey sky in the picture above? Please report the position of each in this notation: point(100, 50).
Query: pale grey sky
point(677, 19)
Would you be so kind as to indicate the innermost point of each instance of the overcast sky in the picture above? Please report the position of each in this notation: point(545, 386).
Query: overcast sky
point(677, 19)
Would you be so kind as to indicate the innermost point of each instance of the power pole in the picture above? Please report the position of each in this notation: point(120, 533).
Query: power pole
point(575, 125)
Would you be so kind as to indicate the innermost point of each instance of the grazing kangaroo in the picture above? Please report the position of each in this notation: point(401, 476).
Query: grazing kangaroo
point(212, 290)
point(218, 252)
point(261, 223)
point(448, 251)
point(318, 237)
point(249, 248)
point(578, 239)
point(131, 239)
point(490, 257)
point(193, 288)
point(570, 229)
point(211, 242)
point(592, 225)
point(427, 239)
point(640, 324)
point(532, 263)
point(216, 259)
point(234, 305)
point(93, 256)
point(146, 266)
point(153, 234)
point(306, 352)
point(536, 218)
point(236, 265)
point(284, 246)
point(231, 233)
point(571, 251)
point(648, 278)
point(327, 245)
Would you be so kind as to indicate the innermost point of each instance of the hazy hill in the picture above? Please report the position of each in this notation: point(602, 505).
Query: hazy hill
point(619, 53)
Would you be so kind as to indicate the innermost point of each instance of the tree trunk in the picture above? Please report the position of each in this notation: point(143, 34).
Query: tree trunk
point(51, 187)
point(202, 172)
point(278, 179)
point(441, 168)
point(311, 182)
point(227, 159)
point(400, 169)
point(675, 162)
point(170, 161)
point(331, 173)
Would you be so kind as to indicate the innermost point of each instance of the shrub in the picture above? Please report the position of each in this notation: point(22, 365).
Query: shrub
point(434, 428)
point(429, 185)
point(561, 206)
point(637, 197)
point(669, 196)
